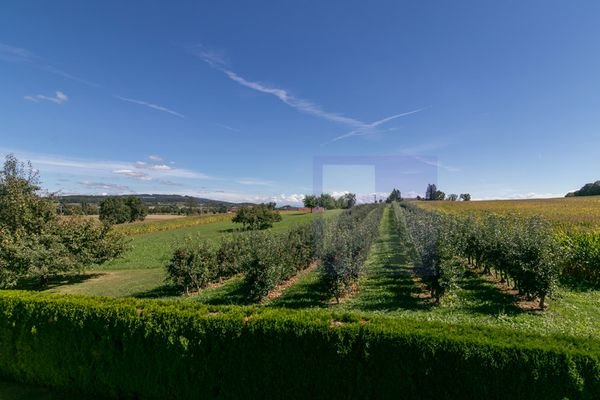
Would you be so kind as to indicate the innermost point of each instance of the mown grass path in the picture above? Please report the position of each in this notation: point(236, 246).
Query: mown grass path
point(388, 283)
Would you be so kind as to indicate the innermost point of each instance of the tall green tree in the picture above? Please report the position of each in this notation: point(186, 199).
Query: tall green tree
point(326, 201)
point(310, 201)
point(394, 196)
point(114, 210)
point(137, 209)
point(347, 200)
point(34, 242)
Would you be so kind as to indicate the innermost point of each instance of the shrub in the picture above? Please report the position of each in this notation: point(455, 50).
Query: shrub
point(348, 242)
point(258, 217)
point(142, 349)
point(192, 265)
point(231, 255)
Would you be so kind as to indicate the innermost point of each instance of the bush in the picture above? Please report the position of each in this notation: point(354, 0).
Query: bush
point(439, 243)
point(274, 258)
point(257, 217)
point(192, 265)
point(348, 242)
point(232, 251)
point(142, 349)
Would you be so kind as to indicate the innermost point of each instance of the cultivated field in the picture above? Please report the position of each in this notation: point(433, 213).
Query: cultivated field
point(571, 212)
point(388, 284)
point(356, 270)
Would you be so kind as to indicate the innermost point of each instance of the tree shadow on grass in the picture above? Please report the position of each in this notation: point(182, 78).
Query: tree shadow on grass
point(158, 292)
point(34, 284)
point(389, 284)
point(307, 294)
point(579, 285)
point(484, 297)
point(234, 292)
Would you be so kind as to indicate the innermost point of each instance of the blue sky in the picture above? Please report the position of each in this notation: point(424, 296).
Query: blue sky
point(234, 100)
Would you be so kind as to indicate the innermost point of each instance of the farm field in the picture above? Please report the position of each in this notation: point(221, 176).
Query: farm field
point(388, 286)
point(570, 212)
point(140, 272)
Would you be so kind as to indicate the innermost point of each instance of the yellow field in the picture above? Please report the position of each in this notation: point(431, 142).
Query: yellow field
point(571, 212)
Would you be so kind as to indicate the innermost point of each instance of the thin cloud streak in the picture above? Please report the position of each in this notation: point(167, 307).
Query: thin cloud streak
point(360, 128)
point(150, 105)
point(370, 129)
point(23, 56)
point(58, 98)
point(294, 102)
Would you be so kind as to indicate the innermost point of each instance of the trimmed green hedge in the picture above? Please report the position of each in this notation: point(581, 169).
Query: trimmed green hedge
point(158, 350)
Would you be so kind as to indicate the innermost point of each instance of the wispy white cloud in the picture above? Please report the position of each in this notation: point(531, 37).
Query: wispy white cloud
point(438, 164)
point(105, 186)
point(58, 98)
point(254, 182)
point(369, 129)
point(150, 105)
point(359, 128)
point(154, 157)
point(142, 176)
point(91, 167)
point(217, 61)
point(229, 128)
point(23, 56)
point(154, 167)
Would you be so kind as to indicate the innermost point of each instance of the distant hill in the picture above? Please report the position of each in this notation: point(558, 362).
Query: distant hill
point(589, 189)
point(152, 200)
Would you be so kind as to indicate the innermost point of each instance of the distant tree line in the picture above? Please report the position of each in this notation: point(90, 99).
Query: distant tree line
point(589, 189)
point(433, 193)
point(328, 202)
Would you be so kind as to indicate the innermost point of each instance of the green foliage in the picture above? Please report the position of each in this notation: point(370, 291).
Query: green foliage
point(266, 258)
point(582, 260)
point(465, 197)
point(192, 265)
point(348, 242)
point(276, 257)
point(394, 196)
point(118, 210)
point(437, 243)
point(137, 209)
point(310, 201)
point(34, 242)
point(327, 201)
point(257, 217)
point(524, 250)
point(346, 201)
point(154, 350)
point(589, 189)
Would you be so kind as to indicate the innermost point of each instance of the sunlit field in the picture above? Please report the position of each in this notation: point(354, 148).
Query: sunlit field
point(582, 213)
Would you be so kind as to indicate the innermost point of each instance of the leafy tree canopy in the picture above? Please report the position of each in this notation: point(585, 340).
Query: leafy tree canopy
point(34, 242)
point(261, 216)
